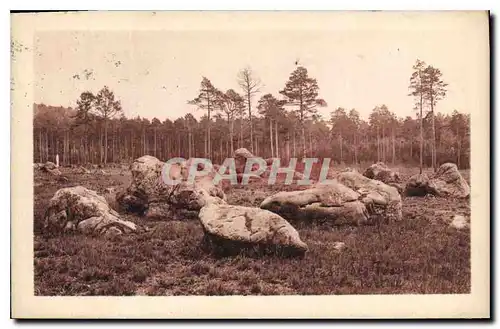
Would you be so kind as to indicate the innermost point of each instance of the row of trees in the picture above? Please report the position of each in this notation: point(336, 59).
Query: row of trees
point(271, 126)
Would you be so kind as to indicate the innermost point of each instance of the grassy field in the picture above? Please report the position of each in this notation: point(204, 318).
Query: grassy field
point(421, 254)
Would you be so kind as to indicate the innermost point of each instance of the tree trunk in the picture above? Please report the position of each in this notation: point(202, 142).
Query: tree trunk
point(276, 138)
point(411, 148)
point(433, 137)
point(220, 150)
point(294, 145)
point(240, 142)
point(250, 117)
point(304, 148)
point(288, 147)
point(271, 137)
point(378, 144)
point(189, 144)
point(209, 146)
point(105, 141)
point(46, 145)
point(179, 145)
point(310, 144)
point(393, 147)
point(421, 134)
point(341, 148)
point(232, 137)
point(40, 148)
point(384, 142)
point(101, 151)
point(205, 143)
point(155, 143)
point(355, 149)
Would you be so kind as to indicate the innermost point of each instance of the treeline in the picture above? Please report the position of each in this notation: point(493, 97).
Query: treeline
point(96, 131)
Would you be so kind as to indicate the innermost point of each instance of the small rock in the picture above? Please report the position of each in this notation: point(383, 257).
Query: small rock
point(339, 246)
point(459, 222)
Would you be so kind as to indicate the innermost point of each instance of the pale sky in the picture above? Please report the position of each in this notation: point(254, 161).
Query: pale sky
point(155, 73)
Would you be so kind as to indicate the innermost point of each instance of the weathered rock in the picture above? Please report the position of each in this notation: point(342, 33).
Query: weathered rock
point(399, 186)
point(379, 198)
point(332, 202)
point(459, 222)
point(447, 181)
point(49, 165)
point(236, 228)
point(54, 172)
point(379, 171)
point(338, 246)
point(417, 185)
point(83, 170)
point(80, 209)
point(241, 156)
point(149, 194)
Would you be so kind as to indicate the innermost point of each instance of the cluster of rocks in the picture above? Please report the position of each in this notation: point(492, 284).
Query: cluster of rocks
point(379, 171)
point(48, 167)
point(349, 198)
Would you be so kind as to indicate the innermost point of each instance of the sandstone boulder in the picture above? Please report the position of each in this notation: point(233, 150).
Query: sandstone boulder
point(379, 198)
point(83, 170)
point(234, 229)
point(379, 171)
point(446, 182)
point(449, 182)
point(49, 165)
point(150, 195)
point(417, 185)
point(332, 202)
point(83, 210)
point(50, 168)
point(241, 156)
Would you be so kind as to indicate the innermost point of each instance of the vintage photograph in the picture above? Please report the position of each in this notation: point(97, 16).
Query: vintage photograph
point(256, 162)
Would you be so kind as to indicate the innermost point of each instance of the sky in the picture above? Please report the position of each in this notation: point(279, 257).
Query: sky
point(154, 73)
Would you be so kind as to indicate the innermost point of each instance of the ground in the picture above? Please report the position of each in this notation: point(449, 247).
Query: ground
point(420, 254)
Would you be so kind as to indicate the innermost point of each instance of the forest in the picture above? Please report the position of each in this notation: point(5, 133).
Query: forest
point(284, 125)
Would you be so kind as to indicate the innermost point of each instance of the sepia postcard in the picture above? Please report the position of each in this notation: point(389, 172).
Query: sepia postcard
point(314, 165)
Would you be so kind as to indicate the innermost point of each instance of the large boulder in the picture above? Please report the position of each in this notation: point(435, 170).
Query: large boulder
point(446, 182)
point(83, 210)
point(234, 229)
point(379, 198)
point(331, 202)
point(150, 195)
point(449, 182)
point(241, 156)
point(379, 171)
point(417, 185)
